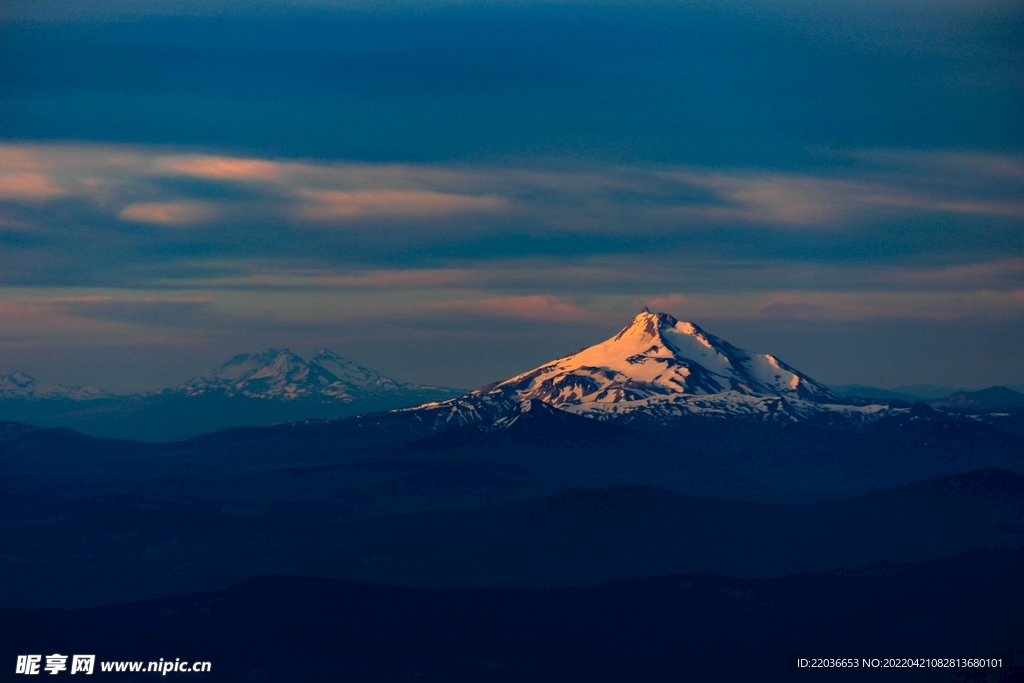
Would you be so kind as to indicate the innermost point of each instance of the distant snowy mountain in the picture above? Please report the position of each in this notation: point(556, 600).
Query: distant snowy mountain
point(258, 389)
point(284, 375)
point(986, 400)
point(658, 366)
point(22, 386)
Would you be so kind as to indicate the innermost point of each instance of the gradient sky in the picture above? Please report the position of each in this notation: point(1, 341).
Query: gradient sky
point(455, 192)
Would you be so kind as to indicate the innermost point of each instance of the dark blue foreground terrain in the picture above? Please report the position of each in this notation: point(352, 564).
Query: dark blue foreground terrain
point(553, 548)
point(572, 538)
point(688, 627)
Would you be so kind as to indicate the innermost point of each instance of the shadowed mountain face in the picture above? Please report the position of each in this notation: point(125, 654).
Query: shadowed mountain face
point(575, 537)
point(691, 626)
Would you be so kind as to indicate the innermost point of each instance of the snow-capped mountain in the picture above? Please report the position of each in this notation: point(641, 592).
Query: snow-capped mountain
point(284, 375)
point(249, 390)
point(657, 355)
point(22, 386)
point(658, 366)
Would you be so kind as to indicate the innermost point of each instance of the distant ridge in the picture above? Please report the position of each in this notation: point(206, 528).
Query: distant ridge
point(284, 375)
point(258, 389)
point(985, 400)
point(22, 386)
point(908, 393)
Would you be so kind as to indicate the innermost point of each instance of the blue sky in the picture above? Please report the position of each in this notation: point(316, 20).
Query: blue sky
point(454, 192)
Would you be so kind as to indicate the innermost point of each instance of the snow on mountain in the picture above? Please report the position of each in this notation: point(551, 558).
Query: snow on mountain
point(663, 367)
point(657, 355)
point(22, 386)
point(284, 375)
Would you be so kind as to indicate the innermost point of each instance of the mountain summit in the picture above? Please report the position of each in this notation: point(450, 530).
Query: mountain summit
point(657, 355)
point(658, 366)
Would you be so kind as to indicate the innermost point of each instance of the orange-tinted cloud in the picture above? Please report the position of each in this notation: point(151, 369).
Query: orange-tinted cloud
point(224, 168)
point(28, 185)
point(167, 213)
point(549, 197)
point(23, 158)
point(330, 205)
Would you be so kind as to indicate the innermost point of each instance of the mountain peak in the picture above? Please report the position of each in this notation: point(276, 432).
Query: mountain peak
point(658, 359)
point(648, 325)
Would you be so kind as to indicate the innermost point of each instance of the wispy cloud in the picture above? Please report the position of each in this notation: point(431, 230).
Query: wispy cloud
point(803, 201)
point(541, 197)
point(27, 185)
point(245, 216)
point(168, 213)
point(94, 317)
point(776, 306)
point(522, 307)
point(1000, 273)
point(222, 168)
point(333, 205)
